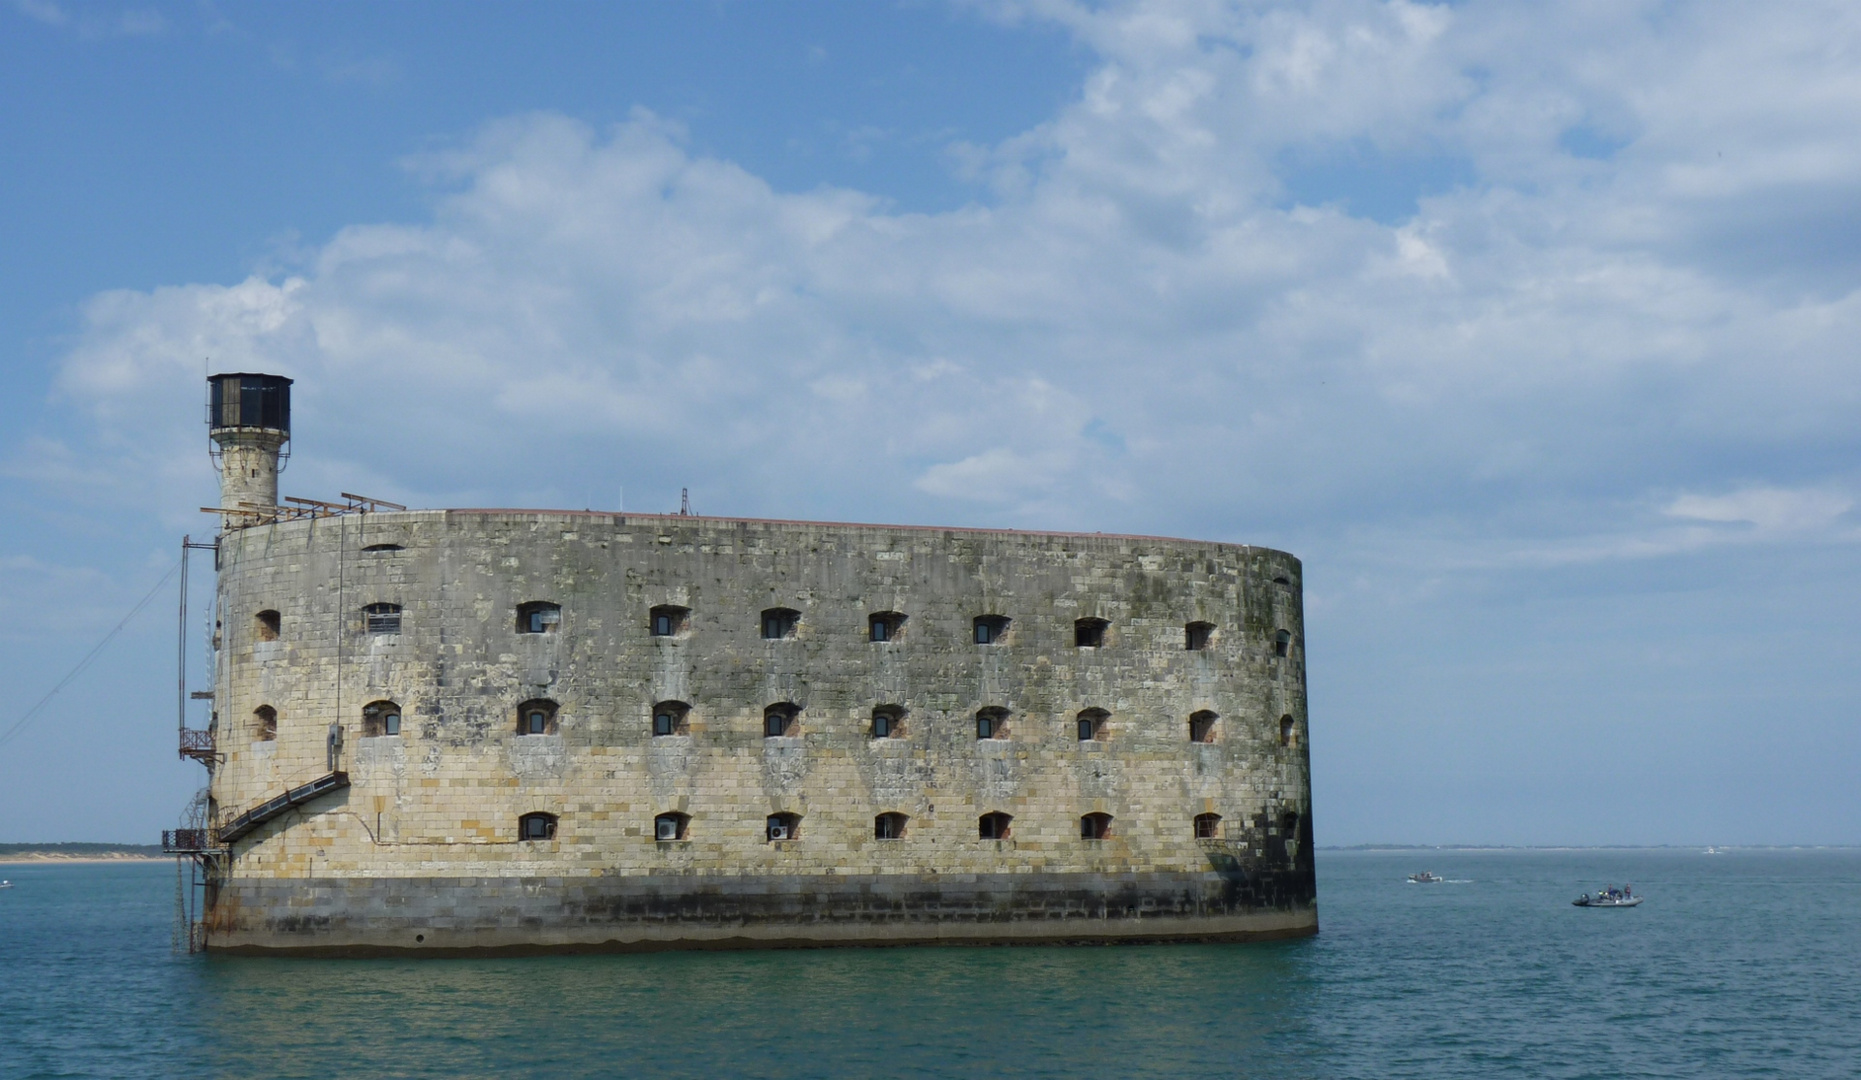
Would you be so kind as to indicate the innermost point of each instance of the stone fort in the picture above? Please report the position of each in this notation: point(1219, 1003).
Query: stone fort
point(462, 730)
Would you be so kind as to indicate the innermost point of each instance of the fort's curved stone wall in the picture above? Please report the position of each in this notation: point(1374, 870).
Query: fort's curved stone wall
point(423, 851)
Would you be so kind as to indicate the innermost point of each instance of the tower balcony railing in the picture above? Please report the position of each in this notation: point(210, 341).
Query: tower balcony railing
point(198, 743)
point(187, 841)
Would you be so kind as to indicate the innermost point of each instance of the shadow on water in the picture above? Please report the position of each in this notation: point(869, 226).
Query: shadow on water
point(1124, 1011)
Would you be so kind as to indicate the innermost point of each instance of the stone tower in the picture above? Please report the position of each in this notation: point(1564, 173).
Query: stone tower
point(249, 418)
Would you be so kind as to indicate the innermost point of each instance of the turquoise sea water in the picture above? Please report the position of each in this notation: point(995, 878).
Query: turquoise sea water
point(1746, 964)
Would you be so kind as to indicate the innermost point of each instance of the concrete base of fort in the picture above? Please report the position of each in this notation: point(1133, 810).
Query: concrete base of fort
point(489, 916)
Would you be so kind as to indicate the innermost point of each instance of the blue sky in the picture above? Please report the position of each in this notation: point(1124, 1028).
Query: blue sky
point(1530, 329)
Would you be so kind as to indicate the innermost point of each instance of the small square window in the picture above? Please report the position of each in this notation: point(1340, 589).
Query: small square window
point(383, 618)
point(780, 720)
point(381, 718)
point(779, 623)
point(667, 620)
point(990, 629)
point(536, 717)
point(670, 827)
point(538, 617)
point(888, 722)
point(669, 718)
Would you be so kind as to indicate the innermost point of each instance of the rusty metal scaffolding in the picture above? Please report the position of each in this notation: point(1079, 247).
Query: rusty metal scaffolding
point(198, 870)
point(199, 860)
point(248, 514)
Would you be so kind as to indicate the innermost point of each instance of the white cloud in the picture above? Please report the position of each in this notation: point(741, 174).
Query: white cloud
point(43, 11)
point(95, 22)
point(1771, 510)
point(1578, 330)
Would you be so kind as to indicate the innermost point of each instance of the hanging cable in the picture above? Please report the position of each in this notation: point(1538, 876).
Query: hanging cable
point(88, 657)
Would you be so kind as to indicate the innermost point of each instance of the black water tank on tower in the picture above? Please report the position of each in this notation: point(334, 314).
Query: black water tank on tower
point(243, 400)
point(249, 421)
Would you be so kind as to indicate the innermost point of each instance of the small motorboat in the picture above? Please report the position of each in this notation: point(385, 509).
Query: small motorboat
point(6, 884)
point(1609, 896)
point(1424, 878)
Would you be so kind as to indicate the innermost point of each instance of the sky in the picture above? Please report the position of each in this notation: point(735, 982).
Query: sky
point(1530, 329)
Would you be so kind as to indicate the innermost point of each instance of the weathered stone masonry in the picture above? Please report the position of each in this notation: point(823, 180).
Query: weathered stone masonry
point(422, 851)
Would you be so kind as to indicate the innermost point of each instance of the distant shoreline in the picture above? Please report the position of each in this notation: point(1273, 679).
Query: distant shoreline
point(79, 852)
point(40, 859)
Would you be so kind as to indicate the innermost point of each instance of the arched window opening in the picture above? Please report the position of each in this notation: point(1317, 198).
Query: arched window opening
point(1202, 726)
point(783, 827)
point(376, 548)
point(1282, 643)
point(1092, 725)
point(992, 724)
point(991, 629)
point(266, 626)
point(1196, 636)
point(265, 722)
point(1289, 824)
point(888, 827)
point(884, 626)
point(1208, 826)
point(668, 620)
point(888, 722)
point(669, 718)
point(538, 617)
point(1288, 733)
point(537, 717)
point(1089, 633)
point(670, 827)
point(1095, 827)
point(382, 618)
point(536, 826)
point(994, 826)
point(779, 623)
point(781, 720)
point(1283, 580)
point(381, 718)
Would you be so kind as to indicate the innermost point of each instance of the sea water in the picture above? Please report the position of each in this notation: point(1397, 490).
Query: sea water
point(1743, 964)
